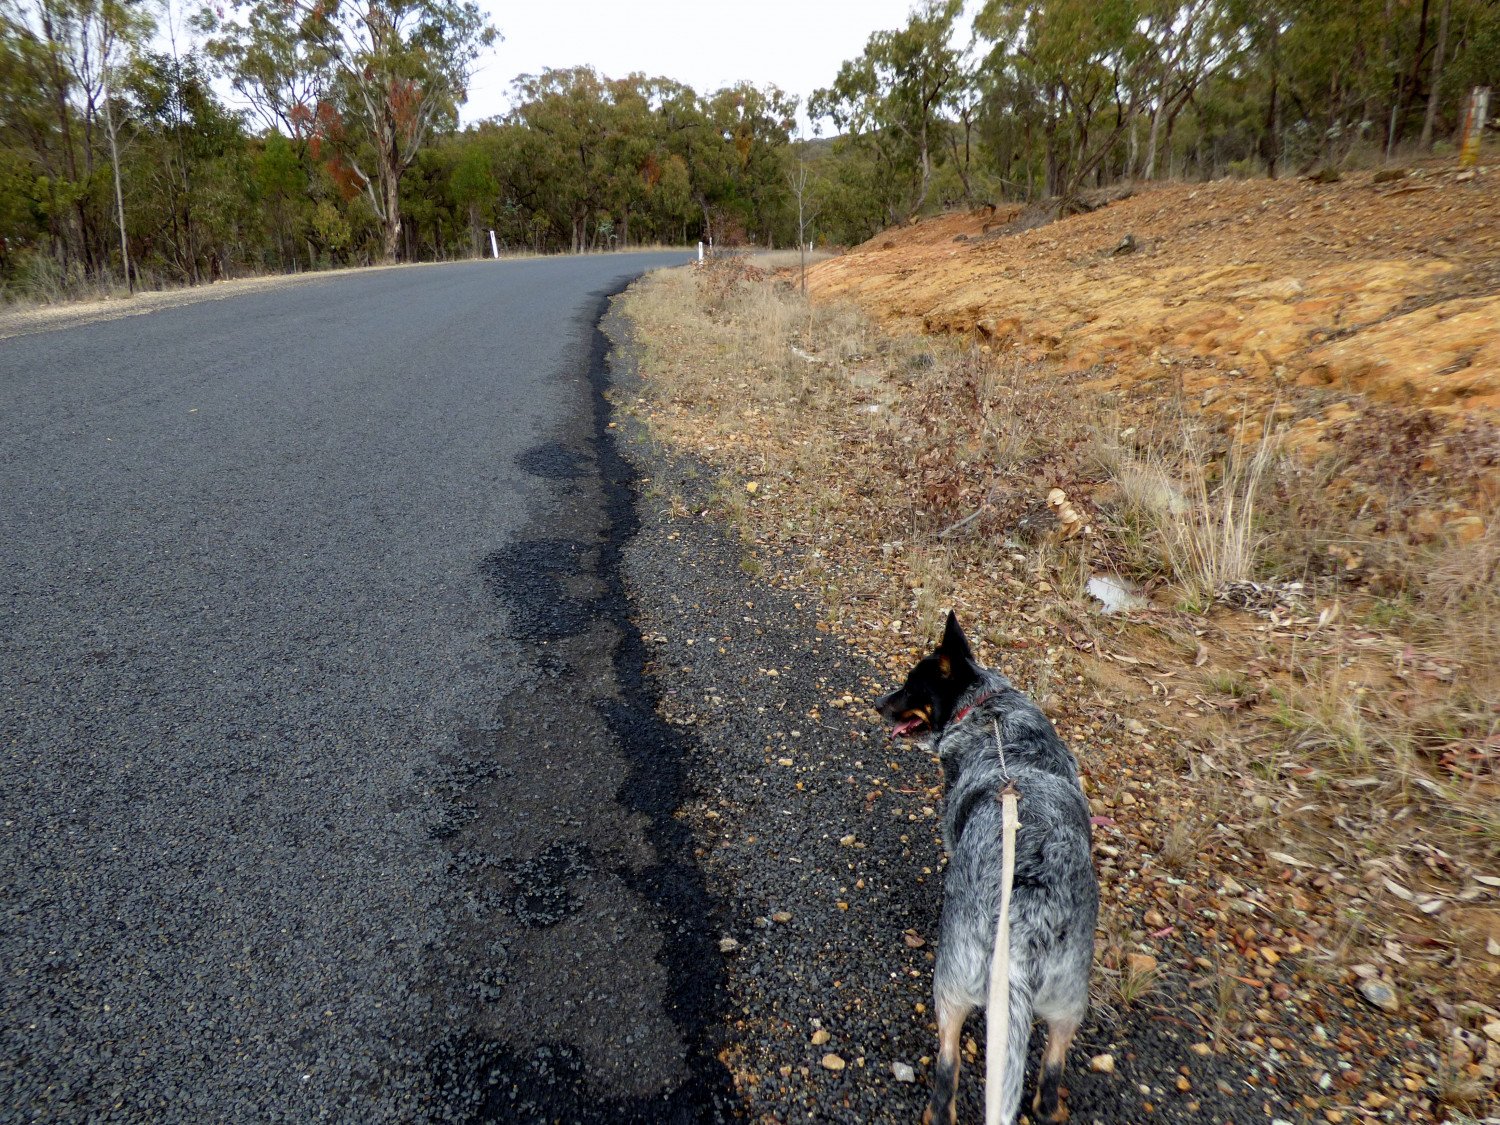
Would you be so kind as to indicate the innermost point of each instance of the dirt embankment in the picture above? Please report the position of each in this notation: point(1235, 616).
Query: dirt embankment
point(1243, 295)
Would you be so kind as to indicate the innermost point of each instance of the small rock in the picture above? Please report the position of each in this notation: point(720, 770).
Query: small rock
point(728, 945)
point(1183, 1085)
point(1136, 727)
point(1102, 1064)
point(1202, 1050)
point(820, 1037)
point(1154, 919)
point(1380, 994)
point(1139, 964)
point(1230, 887)
point(833, 1062)
point(781, 916)
point(913, 939)
point(847, 841)
point(903, 1072)
point(1492, 1031)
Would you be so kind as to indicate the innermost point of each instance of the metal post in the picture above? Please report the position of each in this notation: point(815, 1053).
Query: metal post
point(494, 249)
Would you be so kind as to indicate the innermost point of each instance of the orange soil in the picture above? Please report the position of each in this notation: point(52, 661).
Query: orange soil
point(1255, 291)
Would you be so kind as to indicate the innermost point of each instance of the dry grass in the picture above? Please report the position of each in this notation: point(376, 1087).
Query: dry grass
point(788, 259)
point(1196, 508)
point(1354, 726)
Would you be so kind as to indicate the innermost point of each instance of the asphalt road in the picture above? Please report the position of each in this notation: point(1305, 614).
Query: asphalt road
point(331, 786)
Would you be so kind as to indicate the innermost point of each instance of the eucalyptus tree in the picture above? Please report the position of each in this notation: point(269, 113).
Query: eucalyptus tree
point(57, 63)
point(1192, 40)
point(889, 100)
point(383, 73)
point(1081, 58)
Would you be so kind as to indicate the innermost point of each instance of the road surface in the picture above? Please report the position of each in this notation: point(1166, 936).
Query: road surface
point(332, 789)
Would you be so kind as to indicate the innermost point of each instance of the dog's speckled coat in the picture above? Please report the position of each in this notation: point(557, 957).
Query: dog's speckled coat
point(1055, 897)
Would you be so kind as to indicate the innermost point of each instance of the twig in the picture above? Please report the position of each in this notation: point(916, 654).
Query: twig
point(966, 520)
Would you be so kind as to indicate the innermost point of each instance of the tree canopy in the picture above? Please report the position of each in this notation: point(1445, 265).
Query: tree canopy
point(119, 156)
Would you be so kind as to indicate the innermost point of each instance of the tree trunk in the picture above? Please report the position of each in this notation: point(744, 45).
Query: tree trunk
point(1151, 142)
point(1273, 130)
point(114, 160)
point(392, 192)
point(1437, 77)
point(1054, 172)
point(1408, 88)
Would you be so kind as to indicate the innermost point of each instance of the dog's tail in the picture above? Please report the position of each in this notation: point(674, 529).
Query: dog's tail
point(1007, 1008)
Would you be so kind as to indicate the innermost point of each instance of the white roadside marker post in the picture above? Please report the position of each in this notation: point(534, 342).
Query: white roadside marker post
point(1473, 127)
point(494, 249)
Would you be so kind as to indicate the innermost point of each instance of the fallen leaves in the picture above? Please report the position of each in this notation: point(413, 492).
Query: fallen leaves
point(1237, 858)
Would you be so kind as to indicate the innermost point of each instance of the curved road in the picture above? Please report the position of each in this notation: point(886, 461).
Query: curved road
point(332, 784)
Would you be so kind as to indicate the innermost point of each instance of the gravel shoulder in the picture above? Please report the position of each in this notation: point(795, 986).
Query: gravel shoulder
point(819, 837)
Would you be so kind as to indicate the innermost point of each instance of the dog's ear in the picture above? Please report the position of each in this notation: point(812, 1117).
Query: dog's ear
point(955, 645)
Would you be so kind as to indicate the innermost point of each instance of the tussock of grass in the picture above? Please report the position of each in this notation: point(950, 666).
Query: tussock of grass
point(1194, 510)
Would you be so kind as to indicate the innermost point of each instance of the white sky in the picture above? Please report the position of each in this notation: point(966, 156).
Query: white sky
point(708, 44)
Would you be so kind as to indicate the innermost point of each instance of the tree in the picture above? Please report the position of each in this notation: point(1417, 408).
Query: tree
point(57, 56)
point(472, 184)
point(888, 99)
point(797, 179)
point(386, 71)
point(1436, 82)
point(1192, 39)
point(1082, 57)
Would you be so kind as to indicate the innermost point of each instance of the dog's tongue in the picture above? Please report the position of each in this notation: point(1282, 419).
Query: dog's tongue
point(906, 727)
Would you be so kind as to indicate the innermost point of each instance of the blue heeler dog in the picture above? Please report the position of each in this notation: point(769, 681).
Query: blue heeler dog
point(959, 708)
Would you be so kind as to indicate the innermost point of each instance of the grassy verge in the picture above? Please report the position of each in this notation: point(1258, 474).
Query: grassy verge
point(1291, 739)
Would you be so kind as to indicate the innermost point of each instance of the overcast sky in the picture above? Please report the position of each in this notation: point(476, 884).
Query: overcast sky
point(708, 44)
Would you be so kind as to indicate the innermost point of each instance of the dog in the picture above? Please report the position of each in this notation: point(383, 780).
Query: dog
point(955, 706)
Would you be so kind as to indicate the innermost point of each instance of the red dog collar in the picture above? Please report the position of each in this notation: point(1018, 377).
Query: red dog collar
point(960, 716)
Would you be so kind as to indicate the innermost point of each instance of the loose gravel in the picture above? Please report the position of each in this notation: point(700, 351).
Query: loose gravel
point(820, 836)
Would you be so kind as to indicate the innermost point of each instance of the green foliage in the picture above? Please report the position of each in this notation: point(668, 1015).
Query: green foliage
point(350, 150)
point(887, 101)
point(367, 81)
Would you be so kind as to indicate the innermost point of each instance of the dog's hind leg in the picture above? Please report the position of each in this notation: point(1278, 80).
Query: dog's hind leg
point(941, 1106)
point(1062, 1001)
point(1060, 1034)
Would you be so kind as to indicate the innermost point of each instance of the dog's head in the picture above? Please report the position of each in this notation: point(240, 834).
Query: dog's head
point(929, 698)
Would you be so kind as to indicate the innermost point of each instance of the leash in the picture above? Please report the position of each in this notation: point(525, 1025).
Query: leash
point(997, 1010)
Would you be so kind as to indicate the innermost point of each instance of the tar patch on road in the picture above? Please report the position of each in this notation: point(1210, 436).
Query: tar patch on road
point(581, 977)
point(553, 461)
point(543, 892)
point(532, 579)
